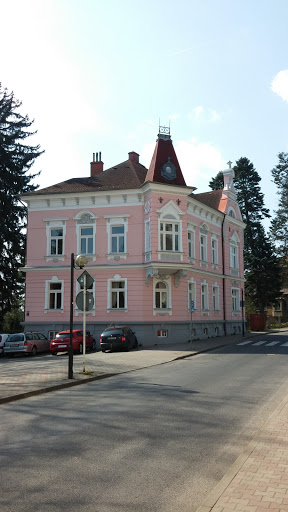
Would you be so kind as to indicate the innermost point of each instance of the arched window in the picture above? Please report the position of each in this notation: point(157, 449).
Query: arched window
point(161, 296)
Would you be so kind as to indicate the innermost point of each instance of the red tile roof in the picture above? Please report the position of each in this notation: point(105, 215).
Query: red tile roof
point(126, 175)
point(213, 199)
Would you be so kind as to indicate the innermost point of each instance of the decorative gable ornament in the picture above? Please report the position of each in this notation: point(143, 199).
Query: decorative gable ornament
point(168, 170)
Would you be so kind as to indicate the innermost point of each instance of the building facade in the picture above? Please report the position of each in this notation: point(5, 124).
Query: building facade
point(154, 248)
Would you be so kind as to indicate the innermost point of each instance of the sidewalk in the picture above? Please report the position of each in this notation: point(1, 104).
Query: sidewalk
point(258, 479)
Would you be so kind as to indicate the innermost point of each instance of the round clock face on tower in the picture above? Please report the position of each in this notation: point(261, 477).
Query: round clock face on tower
point(147, 206)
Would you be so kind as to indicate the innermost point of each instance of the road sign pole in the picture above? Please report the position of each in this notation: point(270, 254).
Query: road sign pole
point(191, 310)
point(84, 323)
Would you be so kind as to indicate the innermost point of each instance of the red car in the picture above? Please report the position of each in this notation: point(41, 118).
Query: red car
point(62, 340)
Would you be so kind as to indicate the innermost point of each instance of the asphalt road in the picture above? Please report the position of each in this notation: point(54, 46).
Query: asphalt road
point(154, 440)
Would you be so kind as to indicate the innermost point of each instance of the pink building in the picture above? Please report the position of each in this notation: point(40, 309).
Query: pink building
point(153, 247)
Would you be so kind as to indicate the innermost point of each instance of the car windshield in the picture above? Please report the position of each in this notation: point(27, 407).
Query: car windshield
point(63, 335)
point(112, 332)
point(16, 337)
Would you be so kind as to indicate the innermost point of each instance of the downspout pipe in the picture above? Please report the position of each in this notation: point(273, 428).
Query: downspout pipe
point(223, 271)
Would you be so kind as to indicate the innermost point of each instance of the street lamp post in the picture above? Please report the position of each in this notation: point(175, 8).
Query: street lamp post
point(70, 351)
point(81, 261)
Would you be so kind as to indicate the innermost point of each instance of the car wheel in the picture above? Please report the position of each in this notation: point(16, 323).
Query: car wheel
point(103, 350)
point(54, 353)
point(80, 350)
point(93, 345)
point(34, 350)
point(136, 343)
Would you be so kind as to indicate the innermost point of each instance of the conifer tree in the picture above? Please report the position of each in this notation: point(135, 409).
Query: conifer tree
point(279, 224)
point(262, 272)
point(16, 159)
point(217, 183)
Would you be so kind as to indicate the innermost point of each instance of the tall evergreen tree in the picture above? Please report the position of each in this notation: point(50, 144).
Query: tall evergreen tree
point(16, 159)
point(262, 273)
point(279, 224)
point(217, 183)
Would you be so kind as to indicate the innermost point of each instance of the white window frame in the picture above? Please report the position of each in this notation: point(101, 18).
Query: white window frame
point(191, 242)
point(113, 221)
point(55, 223)
point(235, 297)
point(110, 290)
point(192, 293)
point(48, 292)
point(234, 256)
point(204, 296)
point(174, 234)
point(214, 250)
point(147, 239)
point(86, 219)
point(167, 283)
point(232, 213)
point(215, 297)
point(203, 238)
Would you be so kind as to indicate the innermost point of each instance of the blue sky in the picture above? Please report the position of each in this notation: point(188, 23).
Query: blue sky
point(98, 75)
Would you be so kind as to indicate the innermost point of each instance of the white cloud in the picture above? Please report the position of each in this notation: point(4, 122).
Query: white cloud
point(214, 116)
point(280, 84)
point(207, 115)
point(173, 116)
point(199, 161)
point(197, 111)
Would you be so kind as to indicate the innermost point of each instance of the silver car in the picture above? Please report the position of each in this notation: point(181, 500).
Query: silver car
point(26, 343)
point(3, 338)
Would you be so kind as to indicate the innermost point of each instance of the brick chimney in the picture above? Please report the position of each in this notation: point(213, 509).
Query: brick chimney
point(134, 157)
point(96, 165)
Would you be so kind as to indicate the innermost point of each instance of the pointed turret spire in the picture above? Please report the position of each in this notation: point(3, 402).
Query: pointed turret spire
point(164, 166)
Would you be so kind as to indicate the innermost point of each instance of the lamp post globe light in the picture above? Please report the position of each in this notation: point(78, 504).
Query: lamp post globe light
point(80, 261)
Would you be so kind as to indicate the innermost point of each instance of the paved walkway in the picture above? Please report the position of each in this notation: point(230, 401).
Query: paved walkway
point(256, 482)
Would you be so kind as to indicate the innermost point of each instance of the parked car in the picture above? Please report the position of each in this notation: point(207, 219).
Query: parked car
point(118, 337)
point(26, 343)
point(62, 341)
point(3, 338)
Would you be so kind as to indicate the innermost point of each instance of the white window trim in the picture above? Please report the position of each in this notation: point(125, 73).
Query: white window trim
point(88, 220)
point(206, 296)
point(53, 280)
point(205, 239)
point(194, 293)
point(191, 243)
point(237, 298)
point(167, 310)
point(117, 277)
point(234, 255)
point(174, 222)
point(216, 252)
point(55, 223)
point(216, 306)
point(147, 239)
point(116, 220)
